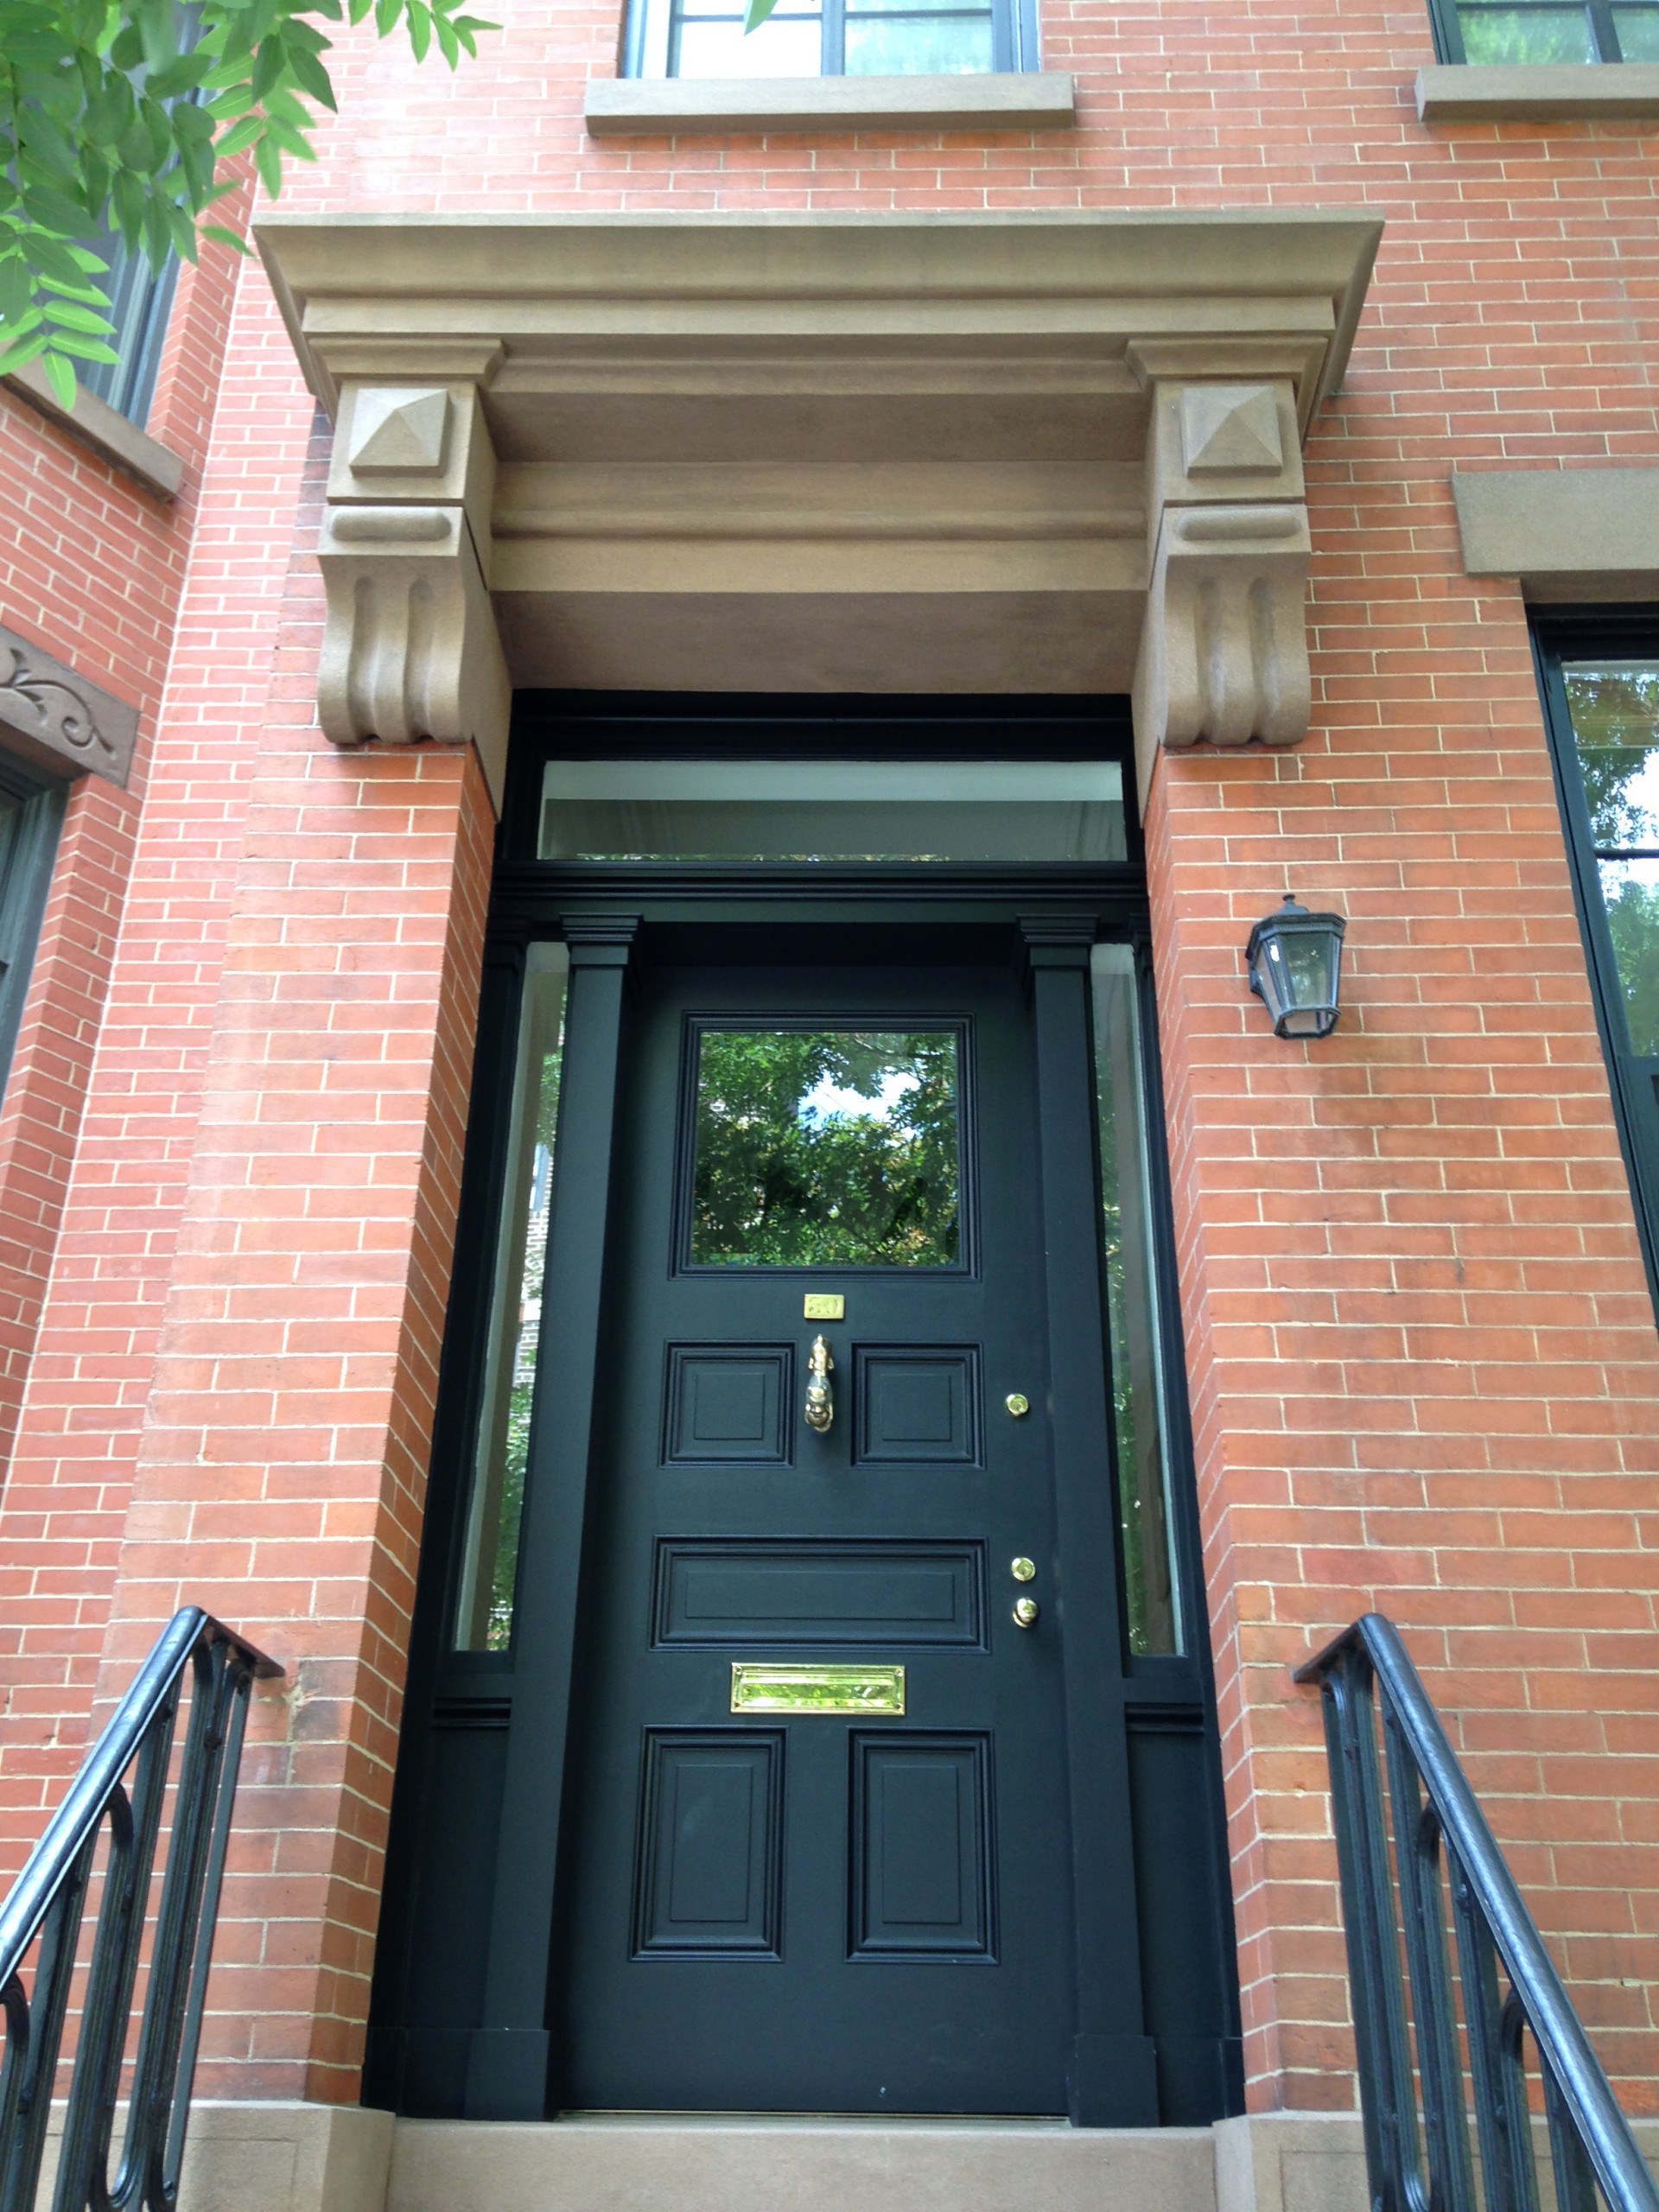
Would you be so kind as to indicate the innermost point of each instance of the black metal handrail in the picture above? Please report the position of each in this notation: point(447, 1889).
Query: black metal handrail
point(1441, 1839)
point(47, 1902)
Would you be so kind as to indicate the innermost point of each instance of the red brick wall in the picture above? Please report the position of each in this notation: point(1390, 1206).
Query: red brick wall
point(1422, 1358)
point(93, 568)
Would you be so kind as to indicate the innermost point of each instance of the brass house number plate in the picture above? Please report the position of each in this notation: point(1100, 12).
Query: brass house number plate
point(825, 1306)
point(816, 1689)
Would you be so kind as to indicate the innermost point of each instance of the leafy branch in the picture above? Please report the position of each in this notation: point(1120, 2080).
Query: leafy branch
point(117, 119)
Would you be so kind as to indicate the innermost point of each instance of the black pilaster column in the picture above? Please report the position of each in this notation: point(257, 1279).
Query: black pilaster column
point(507, 2068)
point(1113, 2077)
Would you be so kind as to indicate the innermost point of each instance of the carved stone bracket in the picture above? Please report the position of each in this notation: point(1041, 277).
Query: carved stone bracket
point(58, 722)
point(1225, 652)
point(1224, 647)
point(410, 648)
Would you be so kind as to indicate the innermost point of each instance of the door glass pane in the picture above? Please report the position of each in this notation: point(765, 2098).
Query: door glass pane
point(1526, 34)
point(1614, 706)
point(490, 1562)
point(962, 811)
point(1638, 32)
point(899, 46)
point(1150, 1596)
point(831, 1147)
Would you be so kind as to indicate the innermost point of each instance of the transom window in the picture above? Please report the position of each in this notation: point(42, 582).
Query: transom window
point(1545, 30)
point(976, 811)
point(832, 38)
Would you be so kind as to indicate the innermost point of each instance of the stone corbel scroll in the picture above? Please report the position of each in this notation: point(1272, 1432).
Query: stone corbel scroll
point(1223, 652)
point(410, 648)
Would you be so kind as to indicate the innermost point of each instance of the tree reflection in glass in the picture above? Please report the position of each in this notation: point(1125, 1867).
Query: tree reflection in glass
point(826, 1148)
point(1615, 710)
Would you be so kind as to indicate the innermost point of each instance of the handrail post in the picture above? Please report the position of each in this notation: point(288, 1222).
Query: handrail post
point(45, 1908)
point(1366, 1675)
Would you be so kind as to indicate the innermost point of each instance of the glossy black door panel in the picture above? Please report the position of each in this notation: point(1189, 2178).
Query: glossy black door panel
point(915, 1865)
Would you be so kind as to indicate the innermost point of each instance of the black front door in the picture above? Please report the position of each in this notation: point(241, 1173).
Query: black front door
point(820, 1826)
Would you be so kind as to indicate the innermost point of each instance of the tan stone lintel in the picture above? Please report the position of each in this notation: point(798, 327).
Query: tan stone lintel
point(1568, 534)
point(97, 424)
point(1028, 100)
point(1543, 92)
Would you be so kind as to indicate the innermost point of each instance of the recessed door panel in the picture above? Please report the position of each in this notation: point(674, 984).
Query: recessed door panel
point(921, 1849)
point(710, 1844)
point(918, 1404)
point(727, 1403)
point(756, 1591)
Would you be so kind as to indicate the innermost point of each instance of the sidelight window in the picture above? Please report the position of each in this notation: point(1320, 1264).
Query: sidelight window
point(1139, 1421)
point(490, 1559)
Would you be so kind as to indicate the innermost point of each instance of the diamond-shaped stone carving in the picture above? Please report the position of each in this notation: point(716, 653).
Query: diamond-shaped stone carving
point(400, 433)
point(1230, 428)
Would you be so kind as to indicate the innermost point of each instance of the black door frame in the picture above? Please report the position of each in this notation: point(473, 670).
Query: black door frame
point(1158, 2033)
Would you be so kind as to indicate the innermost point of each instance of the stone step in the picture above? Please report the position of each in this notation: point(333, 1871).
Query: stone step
point(666, 2164)
point(280, 2155)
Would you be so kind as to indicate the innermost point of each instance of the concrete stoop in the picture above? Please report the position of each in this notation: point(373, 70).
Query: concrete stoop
point(301, 2158)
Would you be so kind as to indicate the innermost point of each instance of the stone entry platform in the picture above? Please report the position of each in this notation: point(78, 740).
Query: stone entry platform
point(305, 2158)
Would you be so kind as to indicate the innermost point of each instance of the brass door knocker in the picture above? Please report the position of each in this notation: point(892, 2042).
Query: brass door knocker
point(820, 1400)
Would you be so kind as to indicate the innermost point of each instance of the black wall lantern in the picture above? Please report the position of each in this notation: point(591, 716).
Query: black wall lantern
point(1295, 962)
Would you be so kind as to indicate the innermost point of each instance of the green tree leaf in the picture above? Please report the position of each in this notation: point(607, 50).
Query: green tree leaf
point(119, 115)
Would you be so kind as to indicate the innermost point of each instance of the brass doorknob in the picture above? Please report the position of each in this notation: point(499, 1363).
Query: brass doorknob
point(1025, 1611)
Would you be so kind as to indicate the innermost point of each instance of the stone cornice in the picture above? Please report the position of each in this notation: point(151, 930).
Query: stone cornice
point(397, 293)
point(800, 452)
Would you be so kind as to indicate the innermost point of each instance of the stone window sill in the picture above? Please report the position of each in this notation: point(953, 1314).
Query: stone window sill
point(1571, 535)
point(109, 435)
point(1543, 92)
point(1028, 100)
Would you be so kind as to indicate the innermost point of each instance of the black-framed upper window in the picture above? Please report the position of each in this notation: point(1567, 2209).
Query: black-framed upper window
point(140, 304)
point(832, 38)
point(31, 815)
point(1546, 30)
point(1600, 679)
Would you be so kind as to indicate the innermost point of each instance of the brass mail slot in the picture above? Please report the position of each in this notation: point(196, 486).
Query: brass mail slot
point(816, 1689)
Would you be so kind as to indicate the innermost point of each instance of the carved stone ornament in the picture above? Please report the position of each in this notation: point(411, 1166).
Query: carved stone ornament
point(410, 649)
point(58, 722)
point(1223, 644)
point(1223, 654)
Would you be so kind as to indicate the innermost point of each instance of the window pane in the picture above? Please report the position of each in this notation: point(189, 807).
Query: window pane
point(790, 45)
point(1631, 891)
point(826, 1147)
point(922, 46)
point(1526, 34)
point(489, 1566)
point(1638, 32)
point(1150, 1598)
point(1615, 710)
point(857, 811)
